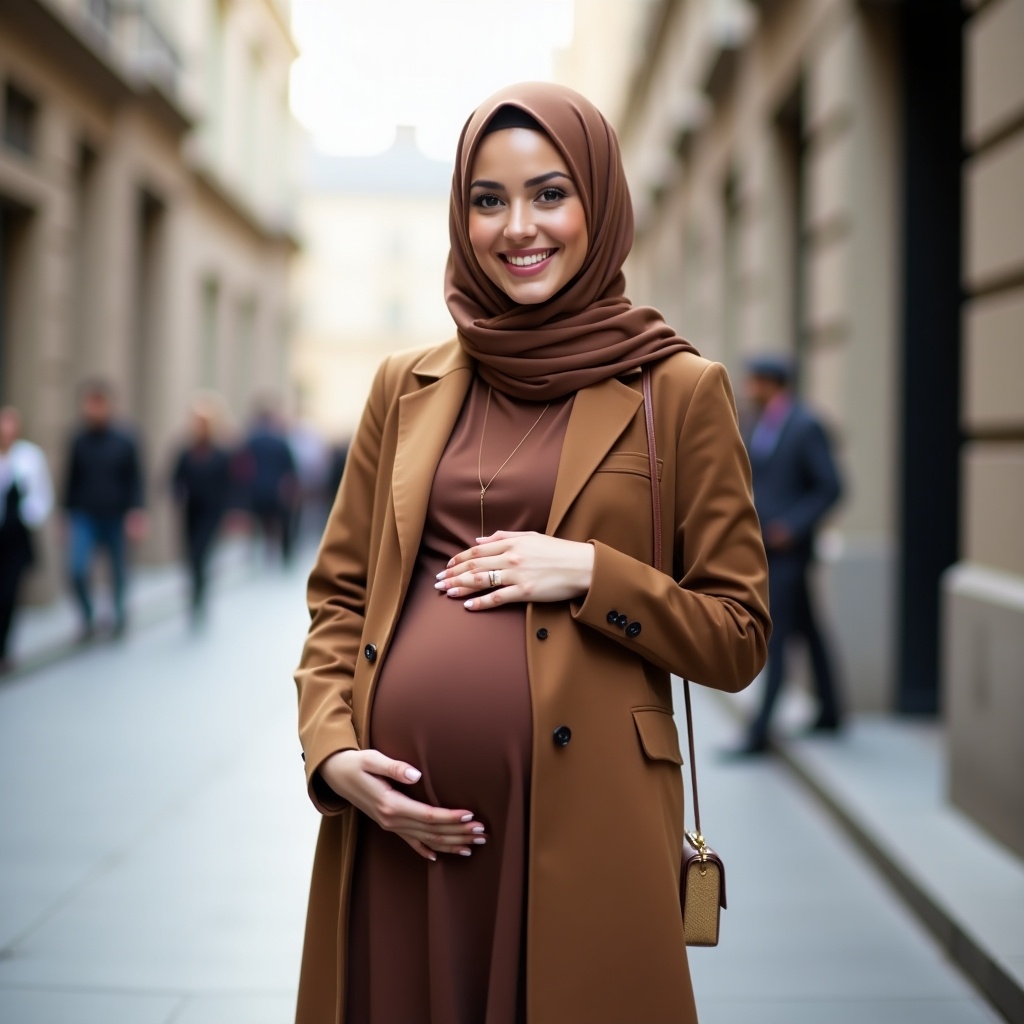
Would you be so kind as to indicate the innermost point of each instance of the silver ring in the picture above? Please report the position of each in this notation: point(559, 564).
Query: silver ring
point(495, 577)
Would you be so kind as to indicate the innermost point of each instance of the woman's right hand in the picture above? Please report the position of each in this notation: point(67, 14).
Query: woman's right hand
point(364, 778)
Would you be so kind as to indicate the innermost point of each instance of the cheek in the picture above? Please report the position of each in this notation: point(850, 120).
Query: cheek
point(576, 238)
point(480, 237)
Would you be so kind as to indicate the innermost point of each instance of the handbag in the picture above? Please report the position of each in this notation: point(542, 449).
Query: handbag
point(701, 873)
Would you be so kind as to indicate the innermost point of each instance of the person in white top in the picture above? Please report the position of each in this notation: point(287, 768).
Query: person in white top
point(26, 498)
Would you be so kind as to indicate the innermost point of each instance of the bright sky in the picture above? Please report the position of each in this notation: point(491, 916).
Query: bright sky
point(369, 65)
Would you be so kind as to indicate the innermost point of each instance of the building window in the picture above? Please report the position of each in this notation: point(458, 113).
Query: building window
point(20, 115)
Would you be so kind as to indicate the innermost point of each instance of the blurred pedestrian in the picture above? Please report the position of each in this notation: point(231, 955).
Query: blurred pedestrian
point(796, 483)
point(103, 496)
point(26, 498)
point(312, 464)
point(485, 699)
point(202, 487)
point(269, 476)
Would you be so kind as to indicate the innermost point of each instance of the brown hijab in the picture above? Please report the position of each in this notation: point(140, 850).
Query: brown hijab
point(588, 331)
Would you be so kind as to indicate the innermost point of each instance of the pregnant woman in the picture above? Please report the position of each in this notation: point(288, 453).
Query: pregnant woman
point(484, 695)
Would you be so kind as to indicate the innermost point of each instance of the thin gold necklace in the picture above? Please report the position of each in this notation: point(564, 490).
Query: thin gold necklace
point(480, 454)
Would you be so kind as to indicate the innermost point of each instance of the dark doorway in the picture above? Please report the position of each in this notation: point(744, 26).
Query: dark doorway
point(146, 390)
point(14, 225)
point(931, 34)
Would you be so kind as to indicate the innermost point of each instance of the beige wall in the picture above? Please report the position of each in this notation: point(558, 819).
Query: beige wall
point(111, 251)
point(984, 593)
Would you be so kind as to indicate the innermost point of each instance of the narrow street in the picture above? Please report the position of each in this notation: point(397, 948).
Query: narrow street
point(156, 845)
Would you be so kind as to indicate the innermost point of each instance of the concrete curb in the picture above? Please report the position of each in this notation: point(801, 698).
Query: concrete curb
point(1001, 988)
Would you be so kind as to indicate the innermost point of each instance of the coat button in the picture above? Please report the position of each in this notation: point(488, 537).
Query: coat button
point(633, 629)
point(613, 617)
point(542, 633)
point(370, 650)
point(562, 735)
point(621, 621)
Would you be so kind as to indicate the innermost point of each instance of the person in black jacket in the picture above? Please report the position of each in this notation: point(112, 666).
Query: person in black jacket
point(795, 484)
point(103, 497)
point(202, 487)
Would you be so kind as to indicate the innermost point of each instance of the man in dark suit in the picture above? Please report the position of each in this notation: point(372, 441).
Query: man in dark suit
point(795, 484)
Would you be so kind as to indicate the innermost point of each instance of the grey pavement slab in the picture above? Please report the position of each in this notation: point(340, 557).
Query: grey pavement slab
point(44, 633)
point(157, 843)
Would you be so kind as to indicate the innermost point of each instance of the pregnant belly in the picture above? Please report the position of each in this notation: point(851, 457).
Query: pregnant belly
point(453, 699)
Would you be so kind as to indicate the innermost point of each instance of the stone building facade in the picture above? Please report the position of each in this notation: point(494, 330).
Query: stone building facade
point(843, 180)
point(145, 215)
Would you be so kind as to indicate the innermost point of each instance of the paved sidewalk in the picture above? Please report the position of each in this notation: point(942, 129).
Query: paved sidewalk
point(157, 841)
point(157, 838)
point(46, 633)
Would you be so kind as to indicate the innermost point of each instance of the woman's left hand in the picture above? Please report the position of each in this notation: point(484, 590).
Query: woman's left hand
point(527, 567)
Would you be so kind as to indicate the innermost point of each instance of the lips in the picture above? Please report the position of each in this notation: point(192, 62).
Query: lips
point(525, 262)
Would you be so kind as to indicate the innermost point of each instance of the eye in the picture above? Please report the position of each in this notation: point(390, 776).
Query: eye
point(486, 201)
point(551, 194)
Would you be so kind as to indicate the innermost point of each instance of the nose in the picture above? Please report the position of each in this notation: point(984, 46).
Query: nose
point(520, 221)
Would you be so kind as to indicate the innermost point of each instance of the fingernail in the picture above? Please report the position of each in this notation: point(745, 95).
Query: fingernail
point(432, 858)
point(466, 817)
point(465, 853)
point(439, 586)
point(470, 604)
point(413, 775)
point(480, 842)
point(440, 575)
point(479, 828)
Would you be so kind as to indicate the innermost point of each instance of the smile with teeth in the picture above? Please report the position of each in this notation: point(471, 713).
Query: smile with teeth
point(528, 261)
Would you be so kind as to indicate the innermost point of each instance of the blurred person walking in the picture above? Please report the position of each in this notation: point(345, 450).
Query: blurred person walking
point(103, 496)
point(202, 484)
point(269, 476)
point(26, 498)
point(795, 484)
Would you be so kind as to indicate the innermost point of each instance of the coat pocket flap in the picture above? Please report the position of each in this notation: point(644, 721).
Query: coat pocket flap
point(658, 734)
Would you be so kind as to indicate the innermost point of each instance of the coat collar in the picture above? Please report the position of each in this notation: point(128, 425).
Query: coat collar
point(600, 414)
point(441, 360)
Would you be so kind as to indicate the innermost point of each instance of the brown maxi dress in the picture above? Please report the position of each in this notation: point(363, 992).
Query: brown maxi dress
point(441, 943)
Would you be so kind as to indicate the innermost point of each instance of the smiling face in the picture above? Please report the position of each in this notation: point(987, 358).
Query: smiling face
point(526, 219)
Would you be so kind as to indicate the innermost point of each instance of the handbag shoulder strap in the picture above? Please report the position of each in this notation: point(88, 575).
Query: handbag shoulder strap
point(652, 456)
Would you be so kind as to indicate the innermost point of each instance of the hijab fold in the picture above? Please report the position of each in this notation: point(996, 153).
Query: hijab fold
point(589, 331)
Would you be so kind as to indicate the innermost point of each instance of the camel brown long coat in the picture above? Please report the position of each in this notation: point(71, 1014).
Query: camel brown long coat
point(604, 939)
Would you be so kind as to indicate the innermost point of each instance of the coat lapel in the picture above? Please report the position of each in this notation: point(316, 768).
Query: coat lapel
point(425, 422)
point(600, 413)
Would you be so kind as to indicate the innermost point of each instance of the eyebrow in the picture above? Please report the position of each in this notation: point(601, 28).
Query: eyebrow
point(539, 180)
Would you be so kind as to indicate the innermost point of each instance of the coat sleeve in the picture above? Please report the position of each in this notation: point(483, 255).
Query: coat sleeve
point(336, 595)
point(711, 625)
